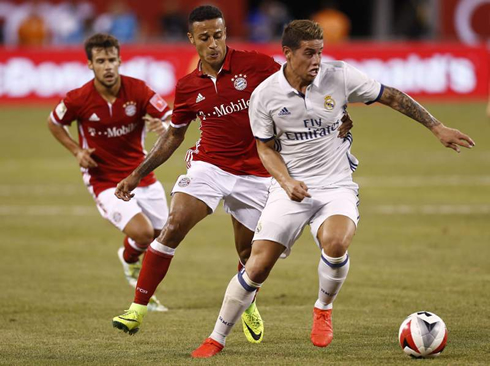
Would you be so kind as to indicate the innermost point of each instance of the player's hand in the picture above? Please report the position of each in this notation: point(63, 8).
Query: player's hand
point(84, 159)
point(125, 187)
point(155, 125)
point(296, 190)
point(452, 138)
point(346, 125)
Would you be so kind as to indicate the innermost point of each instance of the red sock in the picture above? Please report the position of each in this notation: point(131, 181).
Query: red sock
point(130, 254)
point(153, 271)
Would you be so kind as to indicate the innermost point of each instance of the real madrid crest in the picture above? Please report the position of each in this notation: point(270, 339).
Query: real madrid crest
point(130, 108)
point(240, 82)
point(329, 103)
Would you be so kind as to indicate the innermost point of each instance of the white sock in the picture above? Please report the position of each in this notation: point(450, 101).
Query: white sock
point(159, 247)
point(238, 297)
point(332, 273)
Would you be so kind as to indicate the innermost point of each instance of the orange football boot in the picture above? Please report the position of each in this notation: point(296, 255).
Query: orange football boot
point(207, 349)
point(322, 331)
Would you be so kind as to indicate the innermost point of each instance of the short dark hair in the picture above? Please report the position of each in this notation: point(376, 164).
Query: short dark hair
point(100, 40)
point(301, 30)
point(202, 13)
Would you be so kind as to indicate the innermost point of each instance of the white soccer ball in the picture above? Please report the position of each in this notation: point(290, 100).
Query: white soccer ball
point(422, 335)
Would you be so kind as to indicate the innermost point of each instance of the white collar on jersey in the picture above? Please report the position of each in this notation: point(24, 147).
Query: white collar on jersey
point(284, 83)
point(212, 77)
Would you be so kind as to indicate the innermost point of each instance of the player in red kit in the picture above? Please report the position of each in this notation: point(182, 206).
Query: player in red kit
point(110, 111)
point(223, 165)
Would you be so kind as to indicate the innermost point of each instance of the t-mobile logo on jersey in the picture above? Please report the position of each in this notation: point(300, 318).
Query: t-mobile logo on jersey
point(113, 131)
point(121, 131)
point(226, 109)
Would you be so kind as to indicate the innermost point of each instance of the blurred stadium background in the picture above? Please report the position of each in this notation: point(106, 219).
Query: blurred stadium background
point(423, 240)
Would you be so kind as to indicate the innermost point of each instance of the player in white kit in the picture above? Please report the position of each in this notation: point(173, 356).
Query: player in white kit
point(295, 115)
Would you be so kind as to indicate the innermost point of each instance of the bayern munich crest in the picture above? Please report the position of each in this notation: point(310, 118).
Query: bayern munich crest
point(130, 108)
point(116, 217)
point(240, 82)
point(184, 182)
point(329, 103)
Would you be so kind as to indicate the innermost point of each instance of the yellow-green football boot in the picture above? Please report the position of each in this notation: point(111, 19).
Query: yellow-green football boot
point(253, 325)
point(130, 321)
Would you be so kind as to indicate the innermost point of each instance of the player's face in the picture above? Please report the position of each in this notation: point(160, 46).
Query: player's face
point(105, 65)
point(209, 37)
point(305, 61)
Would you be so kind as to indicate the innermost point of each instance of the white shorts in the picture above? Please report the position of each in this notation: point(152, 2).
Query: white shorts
point(244, 196)
point(283, 219)
point(150, 200)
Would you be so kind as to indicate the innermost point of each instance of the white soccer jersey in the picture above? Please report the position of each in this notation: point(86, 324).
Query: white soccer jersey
point(306, 126)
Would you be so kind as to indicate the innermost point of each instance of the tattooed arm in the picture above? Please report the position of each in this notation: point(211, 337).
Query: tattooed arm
point(401, 102)
point(160, 152)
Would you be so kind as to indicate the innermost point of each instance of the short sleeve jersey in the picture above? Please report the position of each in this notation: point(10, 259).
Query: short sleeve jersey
point(116, 131)
point(221, 104)
point(306, 126)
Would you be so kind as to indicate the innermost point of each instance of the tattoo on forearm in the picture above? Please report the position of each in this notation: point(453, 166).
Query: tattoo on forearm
point(408, 106)
point(159, 153)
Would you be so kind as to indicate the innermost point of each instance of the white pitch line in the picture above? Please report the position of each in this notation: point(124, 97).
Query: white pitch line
point(421, 181)
point(69, 189)
point(464, 209)
point(18, 210)
point(428, 209)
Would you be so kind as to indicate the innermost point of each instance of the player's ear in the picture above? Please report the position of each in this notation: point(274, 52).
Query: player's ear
point(287, 52)
point(90, 64)
point(191, 38)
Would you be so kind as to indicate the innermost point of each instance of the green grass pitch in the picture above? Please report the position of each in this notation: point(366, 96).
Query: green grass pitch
point(423, 243)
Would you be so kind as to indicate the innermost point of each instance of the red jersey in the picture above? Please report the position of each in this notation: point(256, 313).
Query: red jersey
point(221, 104)
point(116, 131)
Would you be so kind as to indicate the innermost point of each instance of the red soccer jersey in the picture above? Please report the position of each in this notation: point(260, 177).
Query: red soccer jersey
point(222, 105)
point(116, 131)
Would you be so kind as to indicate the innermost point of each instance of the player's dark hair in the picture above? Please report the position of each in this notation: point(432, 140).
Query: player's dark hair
point(202, 13)
point(100, 40)
point(301, 30)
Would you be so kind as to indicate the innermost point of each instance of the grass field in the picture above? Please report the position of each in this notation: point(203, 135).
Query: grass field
point(422, 244)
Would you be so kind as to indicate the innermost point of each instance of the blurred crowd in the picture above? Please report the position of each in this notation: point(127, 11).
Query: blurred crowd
point(69, 22)
point(37, 22)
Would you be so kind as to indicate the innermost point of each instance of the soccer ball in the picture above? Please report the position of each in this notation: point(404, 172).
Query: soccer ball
point(423, 334)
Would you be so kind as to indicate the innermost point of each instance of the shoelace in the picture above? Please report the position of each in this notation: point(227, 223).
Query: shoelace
point(128, 312)
point(324, 319)
point(254, 320)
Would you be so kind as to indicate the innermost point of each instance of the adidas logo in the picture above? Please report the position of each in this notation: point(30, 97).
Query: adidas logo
point(94, 118)
point(199, 98)
point(284, 112)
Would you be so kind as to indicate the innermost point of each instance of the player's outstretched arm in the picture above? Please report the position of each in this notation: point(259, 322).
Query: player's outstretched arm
point(160, 152)
point(272, 160)
point(401, 102)
point(61, 134)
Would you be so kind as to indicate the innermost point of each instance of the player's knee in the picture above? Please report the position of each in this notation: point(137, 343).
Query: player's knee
point(143, 237)
point(244, 254)
point(336, 245)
